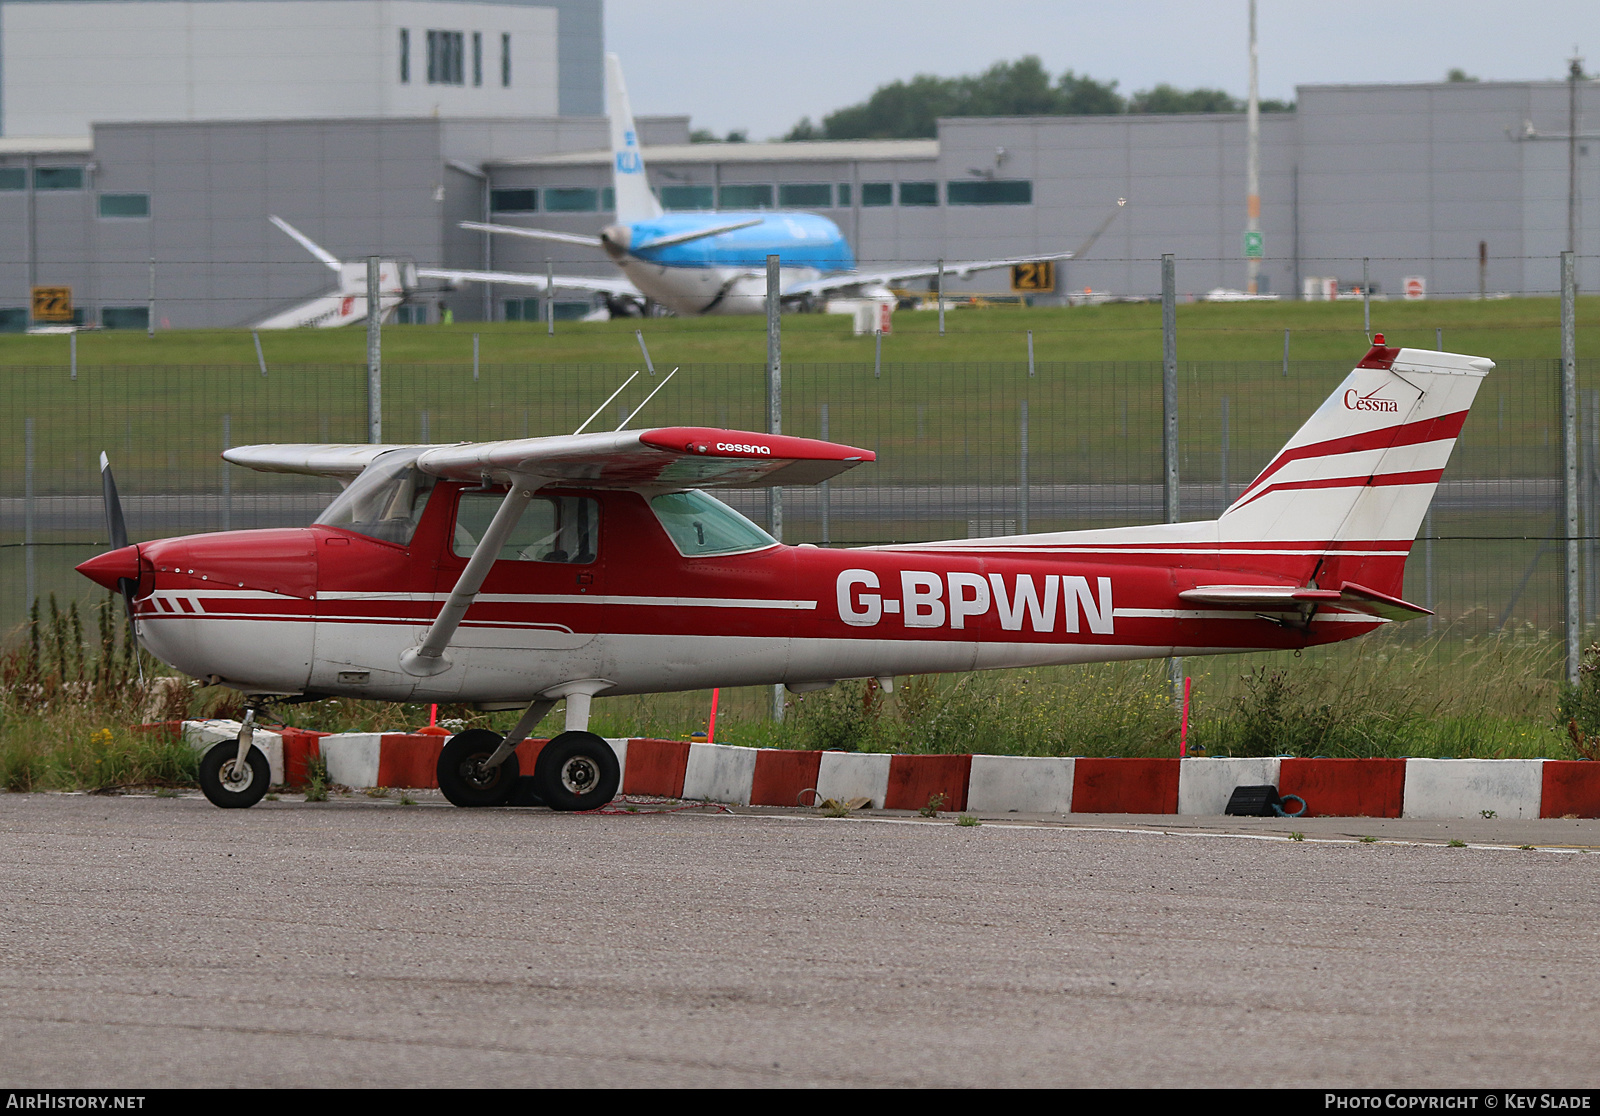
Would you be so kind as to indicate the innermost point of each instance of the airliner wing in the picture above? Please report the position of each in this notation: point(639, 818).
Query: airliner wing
point(617, 287)
point(832, 284)
point(671, 457)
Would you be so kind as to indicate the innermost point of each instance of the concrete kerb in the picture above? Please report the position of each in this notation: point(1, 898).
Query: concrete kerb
point(1433, 788)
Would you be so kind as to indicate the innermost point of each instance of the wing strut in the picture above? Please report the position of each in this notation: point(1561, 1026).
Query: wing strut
point(428, 657)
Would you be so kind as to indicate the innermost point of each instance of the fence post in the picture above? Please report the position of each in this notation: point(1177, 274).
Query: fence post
point(374, 355)
point(549, 299)
point(826, 500)
point(1030, 354)
point(1169, 415)
point(1569, 444)
point(72, 353)
point(1227, 490)
point(1022, 473)
point(27, 512)
point(261, 358)
point(474, 358)
point(1427, 565)
point(774, 421)
point(941, 298)
point(227, 473)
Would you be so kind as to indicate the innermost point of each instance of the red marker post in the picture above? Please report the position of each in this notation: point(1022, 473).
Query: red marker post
point(1183, 728)
point(711, 726)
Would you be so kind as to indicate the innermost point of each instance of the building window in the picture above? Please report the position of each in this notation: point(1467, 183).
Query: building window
point(447, 57)
point(13, 319)
point(477, 58)
point(58, 178)
point(686, 197)
point(986, 192)
point(405, 56)
point(571, 199)
point(807, 195)
point(505, 61)
point(13, 178)
point(877, 193)
point(522, 309)
point(844, 193)
point(919, 193)
point(608, 199)
point(745, 197)
point(125, 317)
point(514, 201)
point(124, 205)
point(411, 315)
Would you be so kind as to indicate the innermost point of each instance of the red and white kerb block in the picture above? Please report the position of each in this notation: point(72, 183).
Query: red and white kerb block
point(1376, 788)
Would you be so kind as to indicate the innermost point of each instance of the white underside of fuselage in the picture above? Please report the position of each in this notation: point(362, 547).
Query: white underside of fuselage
point(710, 290)
point(497, 664)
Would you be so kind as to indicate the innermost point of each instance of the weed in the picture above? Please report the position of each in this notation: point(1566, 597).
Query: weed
point(936, 803)
point(1369, 840)
point(407, 800)
point(968, 820)
point(831, 808)
point(272, 796)
point(1487, 813)
point(1454, 843)
point(1297, 836)
point(1528, 848)
point(377, 792)
point(317, 780)
point(166, 792)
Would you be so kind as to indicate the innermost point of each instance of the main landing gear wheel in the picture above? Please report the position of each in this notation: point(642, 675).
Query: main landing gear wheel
point(230, 785)
point(462, 776)
point(577, 771)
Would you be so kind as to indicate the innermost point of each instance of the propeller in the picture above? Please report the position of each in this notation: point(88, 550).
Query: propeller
point(117, 529)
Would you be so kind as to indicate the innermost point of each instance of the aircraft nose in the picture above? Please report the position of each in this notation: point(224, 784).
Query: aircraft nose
point(106, 569)
point(616, 240)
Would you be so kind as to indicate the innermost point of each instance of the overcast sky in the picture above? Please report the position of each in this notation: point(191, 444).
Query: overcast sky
point(763, 64)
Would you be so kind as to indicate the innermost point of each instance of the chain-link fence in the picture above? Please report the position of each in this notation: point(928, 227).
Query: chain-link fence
point(963, 450)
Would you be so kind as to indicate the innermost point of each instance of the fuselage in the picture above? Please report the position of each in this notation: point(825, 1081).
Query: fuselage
point(725, 273)
point(330, 611)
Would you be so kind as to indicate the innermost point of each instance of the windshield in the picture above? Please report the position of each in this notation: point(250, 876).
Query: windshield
point(701, 525)
point(384, 502)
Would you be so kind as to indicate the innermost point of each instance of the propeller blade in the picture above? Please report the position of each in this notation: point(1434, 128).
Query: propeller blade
point(116, 527)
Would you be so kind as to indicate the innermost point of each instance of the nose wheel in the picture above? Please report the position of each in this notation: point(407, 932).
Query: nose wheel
point(465, 778)
point(229, 783)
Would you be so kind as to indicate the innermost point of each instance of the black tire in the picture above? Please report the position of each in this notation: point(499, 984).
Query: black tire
point(218, 783)
point(577, 771)
point(460, 777)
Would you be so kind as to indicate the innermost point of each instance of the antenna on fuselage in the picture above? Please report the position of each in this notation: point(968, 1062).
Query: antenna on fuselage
point(607, 403)
point(647, 399)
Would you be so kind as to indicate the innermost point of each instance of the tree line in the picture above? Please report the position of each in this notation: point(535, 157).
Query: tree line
point(911, 109)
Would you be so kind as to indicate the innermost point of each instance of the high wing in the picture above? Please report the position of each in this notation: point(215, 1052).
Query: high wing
point(614, 287)
point(665, 457)
point(343, 462)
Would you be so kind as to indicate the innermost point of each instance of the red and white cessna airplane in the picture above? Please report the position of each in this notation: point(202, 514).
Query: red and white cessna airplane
point(526, 572)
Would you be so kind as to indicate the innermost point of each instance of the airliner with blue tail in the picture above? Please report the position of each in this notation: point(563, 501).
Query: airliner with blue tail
point(712, 263)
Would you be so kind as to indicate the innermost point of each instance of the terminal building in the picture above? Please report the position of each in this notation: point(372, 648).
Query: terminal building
point(146, 142)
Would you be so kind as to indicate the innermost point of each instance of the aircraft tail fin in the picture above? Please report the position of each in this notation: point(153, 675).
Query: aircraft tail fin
point(635, 202)
point(1342, 501)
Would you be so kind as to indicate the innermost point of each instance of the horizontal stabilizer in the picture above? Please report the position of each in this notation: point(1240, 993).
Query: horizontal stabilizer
point(1290, 598)
point(534, 234)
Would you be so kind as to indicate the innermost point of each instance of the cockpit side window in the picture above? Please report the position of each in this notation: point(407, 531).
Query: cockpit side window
point(385, 502)
point(700, 525)
point(552, 528)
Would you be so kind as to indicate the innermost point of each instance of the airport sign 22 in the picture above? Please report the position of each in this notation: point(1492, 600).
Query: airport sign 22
point(52, 304)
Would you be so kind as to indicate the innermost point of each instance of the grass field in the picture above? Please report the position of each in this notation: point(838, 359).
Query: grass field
point(1505, 329)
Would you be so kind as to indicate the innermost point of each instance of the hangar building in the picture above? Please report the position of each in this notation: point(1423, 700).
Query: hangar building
point(399, 125)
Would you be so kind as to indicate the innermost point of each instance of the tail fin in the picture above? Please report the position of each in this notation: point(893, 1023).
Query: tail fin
point(1353, 485)
point(635, 202)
